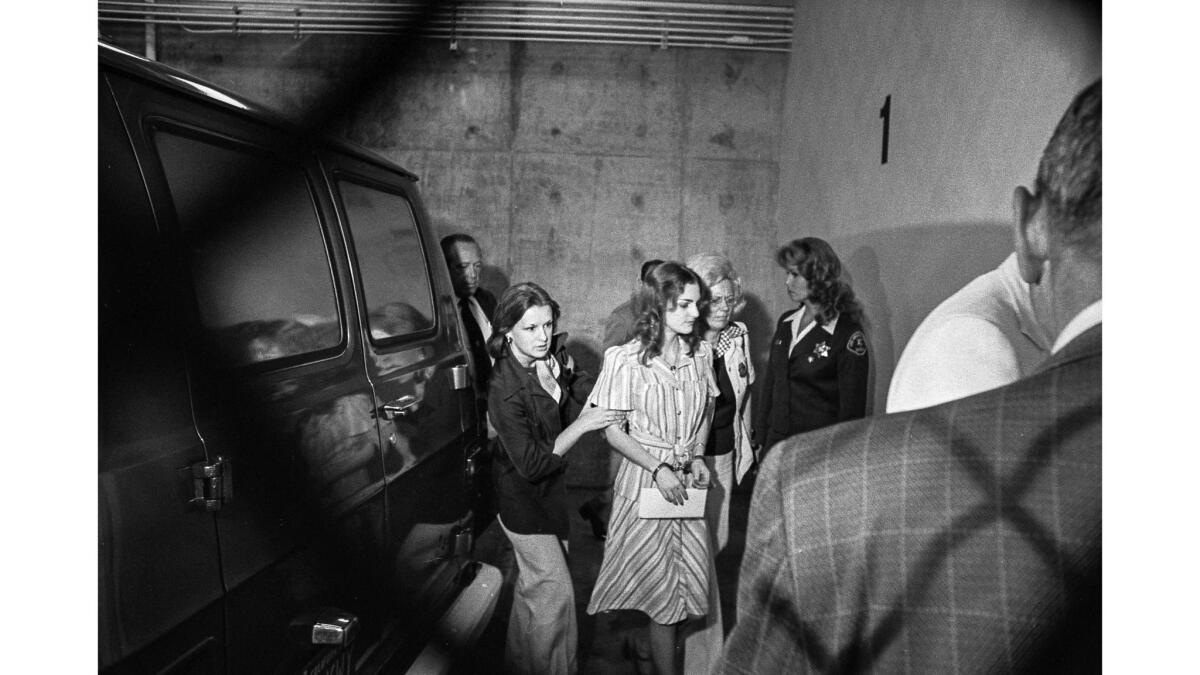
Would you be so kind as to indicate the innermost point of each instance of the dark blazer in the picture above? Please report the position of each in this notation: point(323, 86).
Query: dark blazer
point(959, 538)
point(529, 477)
point(822, 382)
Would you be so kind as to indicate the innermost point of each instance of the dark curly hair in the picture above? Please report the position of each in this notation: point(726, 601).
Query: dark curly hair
point(661, 287)
point(513, 304)
point(821, 269)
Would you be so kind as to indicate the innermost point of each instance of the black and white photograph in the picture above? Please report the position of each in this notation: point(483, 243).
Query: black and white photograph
point(589, 337)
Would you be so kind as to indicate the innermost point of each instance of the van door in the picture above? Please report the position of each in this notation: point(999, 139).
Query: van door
point(278, 385)
point(159, 571)
point(417, 366)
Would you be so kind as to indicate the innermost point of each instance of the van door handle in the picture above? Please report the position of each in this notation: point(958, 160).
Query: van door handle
point(401, 407)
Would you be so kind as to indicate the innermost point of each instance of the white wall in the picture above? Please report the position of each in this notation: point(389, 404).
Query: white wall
point(976, 88)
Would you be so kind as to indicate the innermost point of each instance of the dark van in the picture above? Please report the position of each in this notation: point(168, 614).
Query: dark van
point(286, 412)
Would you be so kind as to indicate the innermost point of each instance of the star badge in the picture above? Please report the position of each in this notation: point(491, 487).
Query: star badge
point(822, 350)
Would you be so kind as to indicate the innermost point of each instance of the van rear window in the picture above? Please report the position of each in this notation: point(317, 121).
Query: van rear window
point(395, 276)
point(263, 280)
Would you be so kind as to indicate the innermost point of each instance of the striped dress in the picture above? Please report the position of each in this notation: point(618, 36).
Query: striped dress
point(656, 566)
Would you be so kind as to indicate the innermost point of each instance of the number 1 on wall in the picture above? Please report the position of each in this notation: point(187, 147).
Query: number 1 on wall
point(886, 114)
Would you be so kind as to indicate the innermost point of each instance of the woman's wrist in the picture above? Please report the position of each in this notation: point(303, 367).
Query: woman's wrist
point(655, 470)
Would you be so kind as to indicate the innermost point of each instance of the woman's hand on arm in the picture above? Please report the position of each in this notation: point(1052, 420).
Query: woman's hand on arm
point(591, 418)
point(527, 451)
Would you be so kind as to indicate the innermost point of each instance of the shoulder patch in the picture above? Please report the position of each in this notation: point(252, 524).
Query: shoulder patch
point(857, 343)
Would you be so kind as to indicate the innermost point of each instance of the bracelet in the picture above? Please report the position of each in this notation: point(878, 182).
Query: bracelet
point(654, 474)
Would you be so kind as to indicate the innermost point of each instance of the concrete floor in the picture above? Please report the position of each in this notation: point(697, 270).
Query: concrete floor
point(601, 637)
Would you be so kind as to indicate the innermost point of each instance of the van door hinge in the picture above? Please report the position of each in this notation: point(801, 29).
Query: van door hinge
point(212, 484)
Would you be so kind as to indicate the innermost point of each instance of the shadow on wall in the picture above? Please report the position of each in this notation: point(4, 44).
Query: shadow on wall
point(901, 275)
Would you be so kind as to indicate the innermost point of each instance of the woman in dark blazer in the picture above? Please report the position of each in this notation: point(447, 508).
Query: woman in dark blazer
point(817, 370)
point(533, 390)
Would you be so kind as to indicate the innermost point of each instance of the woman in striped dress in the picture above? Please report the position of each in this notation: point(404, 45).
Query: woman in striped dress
point(664, 379)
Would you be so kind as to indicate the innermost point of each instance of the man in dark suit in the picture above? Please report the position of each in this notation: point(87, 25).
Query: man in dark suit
point(477, 306)
point(464, 257)
point(963, 537)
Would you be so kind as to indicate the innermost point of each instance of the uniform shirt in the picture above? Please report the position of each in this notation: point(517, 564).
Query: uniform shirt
point(815, 377)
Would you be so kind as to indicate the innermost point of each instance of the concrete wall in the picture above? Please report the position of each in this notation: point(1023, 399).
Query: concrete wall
point(976, 88)
point(570, 164)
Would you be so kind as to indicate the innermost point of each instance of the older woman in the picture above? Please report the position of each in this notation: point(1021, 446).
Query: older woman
point(728, 451)
point(664, 379)
point(532, 386)
point(817, 370)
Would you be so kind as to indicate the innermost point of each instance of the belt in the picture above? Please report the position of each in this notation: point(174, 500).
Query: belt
point(682, 453)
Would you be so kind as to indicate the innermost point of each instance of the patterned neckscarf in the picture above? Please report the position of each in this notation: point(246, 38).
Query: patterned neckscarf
point(726, 337)
point(547, 375)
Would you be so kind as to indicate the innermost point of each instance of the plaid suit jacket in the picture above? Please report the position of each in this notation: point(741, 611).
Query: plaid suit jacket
point(959, 538)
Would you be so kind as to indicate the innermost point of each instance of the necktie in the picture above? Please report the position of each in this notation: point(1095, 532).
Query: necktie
point(483, 365)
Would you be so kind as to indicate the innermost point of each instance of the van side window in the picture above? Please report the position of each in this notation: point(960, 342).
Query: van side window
point(395, 275)
point(264, 284)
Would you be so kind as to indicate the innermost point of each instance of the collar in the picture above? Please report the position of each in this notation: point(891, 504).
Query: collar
point(795, 318)
point(1090, 316)
point(726, 337)
point(510, 376)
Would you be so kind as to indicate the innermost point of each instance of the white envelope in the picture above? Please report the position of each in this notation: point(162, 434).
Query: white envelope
point(652, 504)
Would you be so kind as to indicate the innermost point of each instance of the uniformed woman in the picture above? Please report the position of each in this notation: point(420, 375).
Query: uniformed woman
point(533, 385)
point(817, 370)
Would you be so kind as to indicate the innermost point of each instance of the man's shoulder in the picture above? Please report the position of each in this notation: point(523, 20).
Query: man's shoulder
point(984, 298)
point(938, 339)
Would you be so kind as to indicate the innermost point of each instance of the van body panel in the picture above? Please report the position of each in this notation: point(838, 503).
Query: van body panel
point(321, 400)
point(159, 569)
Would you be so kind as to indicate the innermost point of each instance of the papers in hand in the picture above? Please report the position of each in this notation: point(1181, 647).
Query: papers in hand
point(652, 504)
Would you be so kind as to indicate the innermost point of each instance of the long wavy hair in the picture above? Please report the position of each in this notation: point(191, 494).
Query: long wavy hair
point(821, 269)
point(513, 304)
point(660, 289)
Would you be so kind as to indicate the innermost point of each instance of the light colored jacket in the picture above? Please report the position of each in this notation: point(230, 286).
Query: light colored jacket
point(741, 375)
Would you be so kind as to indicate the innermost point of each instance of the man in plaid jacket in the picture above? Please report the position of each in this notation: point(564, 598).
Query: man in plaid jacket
point(963, 537)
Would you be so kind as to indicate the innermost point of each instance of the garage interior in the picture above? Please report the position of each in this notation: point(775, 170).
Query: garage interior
point(574, 140)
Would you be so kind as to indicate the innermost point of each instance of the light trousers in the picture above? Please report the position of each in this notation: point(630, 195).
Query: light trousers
point(542, 635)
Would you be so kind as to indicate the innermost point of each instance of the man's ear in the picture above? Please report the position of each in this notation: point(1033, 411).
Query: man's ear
point(1030, 239)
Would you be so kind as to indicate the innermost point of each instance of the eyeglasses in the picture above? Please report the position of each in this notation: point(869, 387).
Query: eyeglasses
point(721, 301)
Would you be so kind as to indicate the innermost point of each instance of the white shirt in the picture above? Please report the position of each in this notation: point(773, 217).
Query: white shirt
point(485, 326)
point(984, 336)
point(1090, 316)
